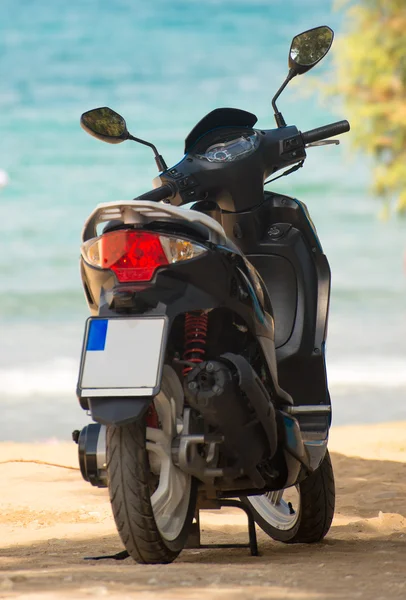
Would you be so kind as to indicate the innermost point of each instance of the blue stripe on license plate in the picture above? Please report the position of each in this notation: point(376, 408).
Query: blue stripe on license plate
point(96, 339)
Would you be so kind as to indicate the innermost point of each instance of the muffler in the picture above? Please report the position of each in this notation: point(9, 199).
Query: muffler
point(91, 442)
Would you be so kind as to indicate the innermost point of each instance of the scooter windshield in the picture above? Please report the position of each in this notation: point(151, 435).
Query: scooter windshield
point(220, 117)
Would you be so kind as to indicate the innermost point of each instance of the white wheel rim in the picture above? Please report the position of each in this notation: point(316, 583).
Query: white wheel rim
point(279, 509)
point(170, 500)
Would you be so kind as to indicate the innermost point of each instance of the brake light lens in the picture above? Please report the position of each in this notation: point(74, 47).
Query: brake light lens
point(135, 255)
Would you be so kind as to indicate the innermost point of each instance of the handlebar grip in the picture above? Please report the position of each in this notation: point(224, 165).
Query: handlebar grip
point(165, 191)
point(321, 133)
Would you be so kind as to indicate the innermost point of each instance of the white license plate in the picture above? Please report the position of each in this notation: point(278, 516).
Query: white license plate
point(122, 357)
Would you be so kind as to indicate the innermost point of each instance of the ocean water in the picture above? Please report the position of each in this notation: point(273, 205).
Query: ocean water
point(164, 65)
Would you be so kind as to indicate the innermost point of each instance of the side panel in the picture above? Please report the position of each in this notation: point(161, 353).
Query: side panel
point(280, 279)
point(280, 241)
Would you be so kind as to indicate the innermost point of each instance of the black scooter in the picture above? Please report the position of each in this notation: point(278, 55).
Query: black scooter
point(203, 362)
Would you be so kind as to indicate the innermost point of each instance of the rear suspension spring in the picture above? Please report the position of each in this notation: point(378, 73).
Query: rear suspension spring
point(196, 326)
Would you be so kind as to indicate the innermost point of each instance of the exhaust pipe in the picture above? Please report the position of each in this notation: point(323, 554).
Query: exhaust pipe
point(91, 442)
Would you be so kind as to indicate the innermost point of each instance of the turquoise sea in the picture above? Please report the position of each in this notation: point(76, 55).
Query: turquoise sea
point(164, 65)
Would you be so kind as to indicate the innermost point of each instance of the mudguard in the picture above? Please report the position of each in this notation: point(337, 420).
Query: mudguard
point(122, 411)
point(118, 411)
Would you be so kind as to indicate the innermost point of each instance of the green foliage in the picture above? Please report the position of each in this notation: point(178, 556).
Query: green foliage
point(372, 80)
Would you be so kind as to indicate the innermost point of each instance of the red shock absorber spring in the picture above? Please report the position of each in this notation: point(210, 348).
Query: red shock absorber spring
point(196, 326)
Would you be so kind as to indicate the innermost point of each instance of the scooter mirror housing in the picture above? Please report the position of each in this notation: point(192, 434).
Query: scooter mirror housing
point(105, 124)
point(108, 126)
point(308, 48)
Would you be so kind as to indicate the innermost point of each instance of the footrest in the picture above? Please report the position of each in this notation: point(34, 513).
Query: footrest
point(322, 409)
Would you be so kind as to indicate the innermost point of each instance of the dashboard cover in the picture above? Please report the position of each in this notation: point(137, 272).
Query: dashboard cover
point(220, 117)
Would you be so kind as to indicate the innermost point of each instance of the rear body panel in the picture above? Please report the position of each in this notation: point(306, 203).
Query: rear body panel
point(279, 239)
point(219, 279)
point(287, 308)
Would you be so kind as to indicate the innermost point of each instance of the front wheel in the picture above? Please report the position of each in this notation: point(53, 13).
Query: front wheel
point(301, 514)
point(153, 501)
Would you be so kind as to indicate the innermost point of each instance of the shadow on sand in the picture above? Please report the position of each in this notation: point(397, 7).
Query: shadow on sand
point(363, 553)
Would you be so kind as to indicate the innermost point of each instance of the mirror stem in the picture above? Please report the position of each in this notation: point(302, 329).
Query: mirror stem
point(280, 121)
point(160, 163)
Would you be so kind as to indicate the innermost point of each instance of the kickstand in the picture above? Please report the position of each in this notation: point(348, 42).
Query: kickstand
point(193, 541)
point(119, 556)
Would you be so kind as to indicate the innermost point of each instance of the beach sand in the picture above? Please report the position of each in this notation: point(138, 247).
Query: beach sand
point(50, 519)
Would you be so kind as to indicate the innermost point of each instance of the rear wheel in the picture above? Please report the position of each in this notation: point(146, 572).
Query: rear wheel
point(301, 514)
point(153, 501)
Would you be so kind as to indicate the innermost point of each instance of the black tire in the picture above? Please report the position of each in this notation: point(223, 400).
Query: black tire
point(128, 472)
point(316, 509)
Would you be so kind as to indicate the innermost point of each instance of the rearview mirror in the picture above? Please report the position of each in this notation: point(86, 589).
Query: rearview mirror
point(105, 124)
point(308, 48)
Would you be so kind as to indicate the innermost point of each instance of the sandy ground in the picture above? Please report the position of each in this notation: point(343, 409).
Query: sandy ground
point(50, 519)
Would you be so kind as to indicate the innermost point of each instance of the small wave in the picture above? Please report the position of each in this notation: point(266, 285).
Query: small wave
point(373, 372)
point(4, 179)
point(59, 376)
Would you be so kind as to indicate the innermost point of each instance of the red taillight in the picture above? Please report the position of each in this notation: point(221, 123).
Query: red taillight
point(132, 255)
point(135, 254)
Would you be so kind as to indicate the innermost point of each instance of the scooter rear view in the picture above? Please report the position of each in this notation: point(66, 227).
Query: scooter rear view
point(203, 361)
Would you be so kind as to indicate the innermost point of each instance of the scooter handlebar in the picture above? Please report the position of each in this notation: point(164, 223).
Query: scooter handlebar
point(314, 135)
point(321, 133)
point(165, 191)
